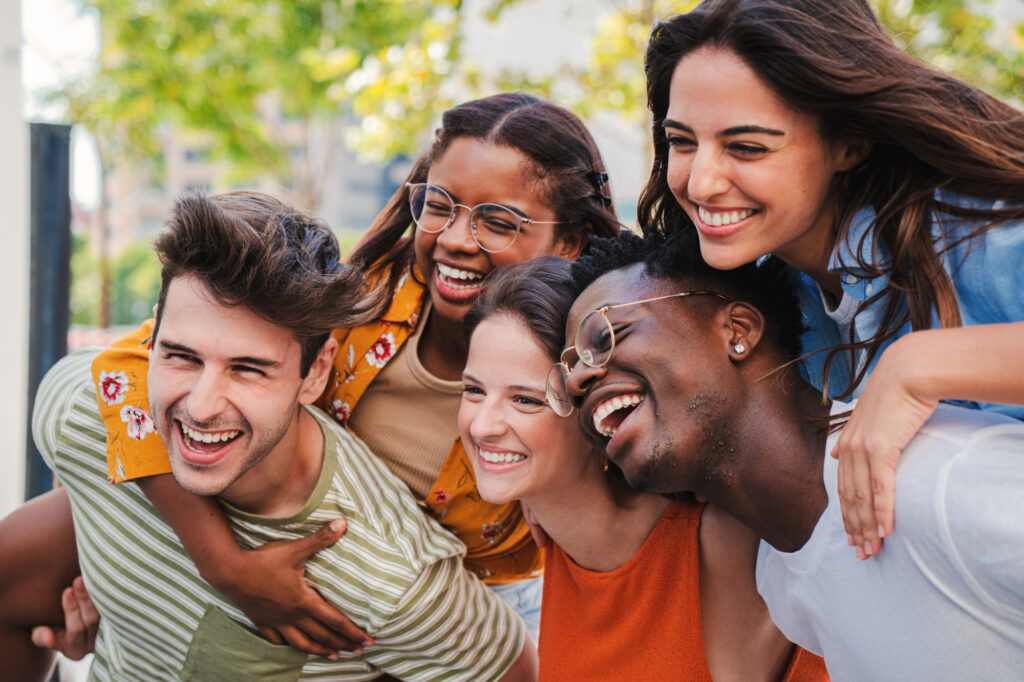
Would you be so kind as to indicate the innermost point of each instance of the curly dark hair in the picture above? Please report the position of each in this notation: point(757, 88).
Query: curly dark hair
point(675, 254)
point(253, 251)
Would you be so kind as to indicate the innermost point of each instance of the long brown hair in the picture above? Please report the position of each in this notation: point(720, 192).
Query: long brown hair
point(928, 130)
point(564, 157)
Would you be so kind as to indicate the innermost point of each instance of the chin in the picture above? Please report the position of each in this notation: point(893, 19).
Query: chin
point(197, 482)
point(495, 492)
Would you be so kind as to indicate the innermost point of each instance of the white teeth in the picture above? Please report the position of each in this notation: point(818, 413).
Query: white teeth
point(208, 437)
point(725, 218)
point(454, 273)
point(611, 405)
point(499, 457)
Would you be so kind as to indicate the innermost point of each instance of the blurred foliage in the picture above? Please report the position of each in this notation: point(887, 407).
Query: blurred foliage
point(391, 66)
point(384, 70)
point(135, 284)
point(214, 66)
point(135, 281)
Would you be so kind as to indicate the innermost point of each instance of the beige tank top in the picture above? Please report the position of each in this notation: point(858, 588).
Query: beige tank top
point(409, 417)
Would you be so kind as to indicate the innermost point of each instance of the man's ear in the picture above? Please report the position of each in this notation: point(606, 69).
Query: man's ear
point(570, 245)
point(744, 328)
point(319, 373)
point(849, 153)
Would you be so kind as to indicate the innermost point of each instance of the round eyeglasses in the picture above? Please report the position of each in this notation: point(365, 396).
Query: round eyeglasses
point(493, 227)
point(594, 344)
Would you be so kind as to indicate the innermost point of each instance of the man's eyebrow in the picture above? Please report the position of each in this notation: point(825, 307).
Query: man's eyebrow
point(238, 360)
point(735, 130)
point(258, 362)
point(175, 347)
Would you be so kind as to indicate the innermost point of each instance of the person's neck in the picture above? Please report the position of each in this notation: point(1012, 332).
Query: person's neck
point(598, 521)
point(281, 483)
point(442, 348)
point(776, 486)
point(812, 254)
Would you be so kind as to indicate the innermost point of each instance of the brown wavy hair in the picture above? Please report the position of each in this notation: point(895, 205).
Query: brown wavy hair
point(564, 160)
point(251, 250)
point(928, 131)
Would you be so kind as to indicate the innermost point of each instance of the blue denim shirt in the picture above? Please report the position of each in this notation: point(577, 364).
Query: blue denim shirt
point(987, 273)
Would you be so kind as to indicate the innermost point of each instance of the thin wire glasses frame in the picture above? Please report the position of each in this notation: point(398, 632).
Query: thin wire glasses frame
point(489, 232)
point(555, 389)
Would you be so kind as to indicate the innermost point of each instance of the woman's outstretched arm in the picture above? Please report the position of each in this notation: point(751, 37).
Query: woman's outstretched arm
point(983, 363)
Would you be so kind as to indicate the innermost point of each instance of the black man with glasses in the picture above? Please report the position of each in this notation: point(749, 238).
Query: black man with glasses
point(718, 408)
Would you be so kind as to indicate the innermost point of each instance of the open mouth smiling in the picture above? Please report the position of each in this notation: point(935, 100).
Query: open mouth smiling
point(609, 414)
point(458, 283)
point(206, 442)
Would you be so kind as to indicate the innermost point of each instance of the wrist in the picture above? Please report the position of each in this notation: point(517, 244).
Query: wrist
point(224, 567)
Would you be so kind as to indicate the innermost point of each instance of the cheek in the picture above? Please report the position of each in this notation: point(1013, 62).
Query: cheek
point(423, 246)
point(678, 174)
point(467, 412)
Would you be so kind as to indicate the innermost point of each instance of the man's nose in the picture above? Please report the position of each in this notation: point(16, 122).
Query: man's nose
point(207, 399)
point(581, 378)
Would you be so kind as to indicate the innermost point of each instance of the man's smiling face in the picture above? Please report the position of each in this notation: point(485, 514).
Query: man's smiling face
point(224, 387)
point(659, 408)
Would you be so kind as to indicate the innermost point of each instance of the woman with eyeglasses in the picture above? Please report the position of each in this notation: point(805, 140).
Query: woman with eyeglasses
point(507, 178)
point(636, 586)
point(797, 128)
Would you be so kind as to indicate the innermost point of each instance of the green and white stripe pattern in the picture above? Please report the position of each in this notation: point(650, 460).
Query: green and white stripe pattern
point(395, 572)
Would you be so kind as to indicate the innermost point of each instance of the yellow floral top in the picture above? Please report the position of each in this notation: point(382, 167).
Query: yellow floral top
point(499, 547)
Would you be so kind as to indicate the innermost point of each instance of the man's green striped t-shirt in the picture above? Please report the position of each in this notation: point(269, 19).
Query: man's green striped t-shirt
point(395, 572)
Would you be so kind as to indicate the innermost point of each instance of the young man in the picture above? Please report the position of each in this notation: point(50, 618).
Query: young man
point(240, 350)
point(714, 408)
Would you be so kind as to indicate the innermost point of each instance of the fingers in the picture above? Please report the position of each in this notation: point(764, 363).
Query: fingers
point(883, 483)
point(88, 614)
point(342, 633)
point(44, 637)
point(297, 639)
point(272, 635)
point(324, 537)
point(866, 495)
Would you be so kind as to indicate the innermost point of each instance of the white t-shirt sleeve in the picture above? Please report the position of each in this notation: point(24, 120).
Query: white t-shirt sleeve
point(984, 517)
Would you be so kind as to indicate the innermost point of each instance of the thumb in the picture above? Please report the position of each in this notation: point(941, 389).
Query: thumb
point(324, 537)
point(43, 637)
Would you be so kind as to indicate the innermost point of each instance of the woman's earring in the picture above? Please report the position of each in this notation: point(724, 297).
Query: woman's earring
point(739, 348)
point(604, 465)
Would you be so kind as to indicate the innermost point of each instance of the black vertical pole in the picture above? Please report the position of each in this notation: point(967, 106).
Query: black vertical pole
point(50, 278)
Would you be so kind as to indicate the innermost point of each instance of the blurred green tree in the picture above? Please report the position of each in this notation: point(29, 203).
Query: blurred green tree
point(236, 72)
point(385, 69)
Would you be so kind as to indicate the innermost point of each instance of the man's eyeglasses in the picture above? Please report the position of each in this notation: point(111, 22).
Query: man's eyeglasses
point(594, 344)
point(494, 227)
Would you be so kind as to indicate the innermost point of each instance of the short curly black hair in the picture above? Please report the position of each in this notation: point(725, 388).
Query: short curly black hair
point(675, 254)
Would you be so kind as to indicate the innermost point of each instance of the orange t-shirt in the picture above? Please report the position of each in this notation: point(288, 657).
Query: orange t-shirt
point(640, 621)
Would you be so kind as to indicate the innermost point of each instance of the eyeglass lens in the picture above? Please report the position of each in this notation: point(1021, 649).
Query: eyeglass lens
point(493, 227)
point(556, 392)
point(595, 339)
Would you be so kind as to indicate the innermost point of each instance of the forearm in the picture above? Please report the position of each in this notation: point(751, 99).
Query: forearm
point(38, 558)
point(199, 523)
point(984, 363)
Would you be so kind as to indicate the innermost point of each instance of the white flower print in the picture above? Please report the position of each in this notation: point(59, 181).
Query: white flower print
point(341, 411)
point(381, 351)
point(140, 424)
point(113, 386)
